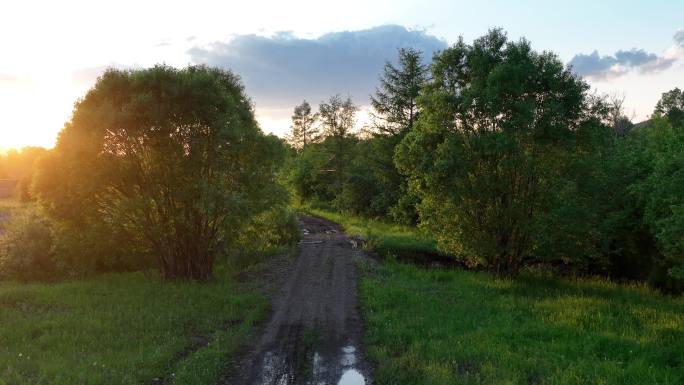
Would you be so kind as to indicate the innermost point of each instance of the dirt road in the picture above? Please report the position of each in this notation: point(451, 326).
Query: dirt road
point(314, 334)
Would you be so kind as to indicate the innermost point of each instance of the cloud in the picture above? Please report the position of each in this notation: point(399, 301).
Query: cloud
point(593, 65)
point(679, 38)
point(283, 69)
point(597, 67)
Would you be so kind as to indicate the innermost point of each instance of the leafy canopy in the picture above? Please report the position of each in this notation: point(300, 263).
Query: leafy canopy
point(170, 159)
point(499, 125)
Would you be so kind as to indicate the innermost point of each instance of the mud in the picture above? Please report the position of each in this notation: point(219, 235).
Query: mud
point(314, 335)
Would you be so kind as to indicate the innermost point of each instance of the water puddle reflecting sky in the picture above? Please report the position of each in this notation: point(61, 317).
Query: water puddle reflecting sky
point(352, 377)
point(277, 371)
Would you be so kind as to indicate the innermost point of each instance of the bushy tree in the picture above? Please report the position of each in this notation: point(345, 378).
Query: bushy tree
point(671, 106)
point(499, 126)
point(171, 160)
point(661, 192)
point(27, 247)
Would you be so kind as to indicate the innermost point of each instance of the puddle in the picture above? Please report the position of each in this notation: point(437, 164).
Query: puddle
point(319, 368)
point(272, 368)
point(352, 377)
point(348, 356)
point(275, 370)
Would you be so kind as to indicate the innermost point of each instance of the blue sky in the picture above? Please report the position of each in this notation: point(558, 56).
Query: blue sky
point(54, 51)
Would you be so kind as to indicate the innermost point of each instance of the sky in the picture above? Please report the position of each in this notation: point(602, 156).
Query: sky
point(287, 51)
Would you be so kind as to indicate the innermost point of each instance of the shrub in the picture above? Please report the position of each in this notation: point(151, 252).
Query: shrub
point(27, 248)
point(266, 233)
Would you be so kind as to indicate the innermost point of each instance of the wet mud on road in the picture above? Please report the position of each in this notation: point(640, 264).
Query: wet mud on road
point(315, 332)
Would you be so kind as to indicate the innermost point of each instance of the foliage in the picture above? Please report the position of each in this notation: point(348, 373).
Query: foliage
point(499, 128)
point(530, 330)
point(337, 116)
point(662, 191)
point(267, 231)
point(171, 160)
point(20, 165)
point(27, 247)
point(303, 130)
point(358, 175)
point(395, 103)
point(671, 106)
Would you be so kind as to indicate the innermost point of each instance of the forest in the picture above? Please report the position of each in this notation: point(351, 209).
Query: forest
point(491, 186)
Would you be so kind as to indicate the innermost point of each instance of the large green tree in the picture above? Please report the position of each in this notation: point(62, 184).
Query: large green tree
point(171, 161)
point(499, 127)
point(661, 192)
point(394, 110)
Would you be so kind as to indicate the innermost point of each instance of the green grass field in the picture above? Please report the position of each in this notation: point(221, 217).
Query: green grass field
point(122, 329)
point(457, 327)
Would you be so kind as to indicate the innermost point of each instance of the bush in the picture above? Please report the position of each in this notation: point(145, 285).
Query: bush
point(27, 248)
point(266, 234)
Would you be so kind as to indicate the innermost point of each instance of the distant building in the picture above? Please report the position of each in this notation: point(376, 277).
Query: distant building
point(8, 188)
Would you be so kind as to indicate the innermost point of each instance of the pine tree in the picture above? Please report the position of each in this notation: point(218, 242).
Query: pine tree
point(395, 102)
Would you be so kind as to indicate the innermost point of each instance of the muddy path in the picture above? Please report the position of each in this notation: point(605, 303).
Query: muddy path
point(315, 332)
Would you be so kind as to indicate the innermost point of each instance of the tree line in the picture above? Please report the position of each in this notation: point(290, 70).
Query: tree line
point(507, 159)
point(499, 152)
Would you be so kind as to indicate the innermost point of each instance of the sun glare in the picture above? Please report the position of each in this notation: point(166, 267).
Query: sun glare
point(37, 112)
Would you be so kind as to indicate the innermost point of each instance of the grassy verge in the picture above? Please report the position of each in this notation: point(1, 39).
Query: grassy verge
point(427, 326)
point(387, 239)
point(123, 329)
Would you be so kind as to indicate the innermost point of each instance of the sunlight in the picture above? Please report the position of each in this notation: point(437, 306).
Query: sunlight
point(39, 108)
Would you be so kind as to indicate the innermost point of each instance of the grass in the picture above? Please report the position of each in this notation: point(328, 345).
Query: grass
point(387, 239)
point(438, 326)
point(429, 326)
point(123, 329)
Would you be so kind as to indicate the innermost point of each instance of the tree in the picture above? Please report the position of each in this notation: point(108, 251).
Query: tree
point(498, 130)
point(671, 105)
point(618, 120)
point(303, 130)
point(395, 102)
point(338, 116)
point(171, 160)
point(661, 192)
point(20, 165)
